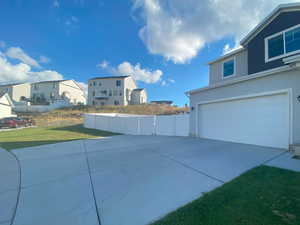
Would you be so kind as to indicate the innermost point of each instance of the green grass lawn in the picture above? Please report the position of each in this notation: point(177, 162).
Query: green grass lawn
point(46, 135)
point(262, 196)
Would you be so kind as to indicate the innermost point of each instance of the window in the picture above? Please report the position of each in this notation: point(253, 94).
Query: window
point(117, 102)
point(100, 84)
point(104, 93)
point(91, 84)
point(94, 83)
point(118, 83)
point(292, 40)
point(54, 85)
point(121, 93)
point(228, 68)
point(275, 46)
point(110, 93)
point(283, 44)
point(115, 93)
point(94, 93)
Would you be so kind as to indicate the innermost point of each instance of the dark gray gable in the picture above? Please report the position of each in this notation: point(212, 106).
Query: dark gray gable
point(256, 47)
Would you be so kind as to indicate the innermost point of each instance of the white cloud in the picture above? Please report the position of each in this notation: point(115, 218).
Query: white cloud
point(140, 74)
point(167, 82)
point(22, 72)
point(56, 4)
point(178, 29)
point(72, 21)
point(44, 59)
point(2, 44)
point(103, 65)
point(18, 53)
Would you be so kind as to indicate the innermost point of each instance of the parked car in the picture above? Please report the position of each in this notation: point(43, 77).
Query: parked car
point(14, 122)
point(9, 123)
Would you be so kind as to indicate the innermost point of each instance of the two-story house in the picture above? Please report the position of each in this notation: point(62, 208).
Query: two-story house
point(47, 92)
point(253, 95)
point(115, 90)
point(17, 92)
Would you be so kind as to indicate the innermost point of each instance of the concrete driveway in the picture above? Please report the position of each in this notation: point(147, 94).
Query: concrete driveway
point(125, 180)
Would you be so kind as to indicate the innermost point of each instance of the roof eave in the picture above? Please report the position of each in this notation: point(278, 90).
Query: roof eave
point(285, 68)
point(267, 20)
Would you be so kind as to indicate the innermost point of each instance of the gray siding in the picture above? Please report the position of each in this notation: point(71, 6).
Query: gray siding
point(256, 47)
point(216, 70)
point(264, 84)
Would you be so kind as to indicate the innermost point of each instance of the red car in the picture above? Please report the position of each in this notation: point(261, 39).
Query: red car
point(8, 123)
point(12, 122)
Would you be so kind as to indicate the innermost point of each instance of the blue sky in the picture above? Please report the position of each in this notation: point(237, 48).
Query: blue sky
point(165, 45)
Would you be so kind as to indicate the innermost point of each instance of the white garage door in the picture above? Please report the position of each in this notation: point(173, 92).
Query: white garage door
point(260, 120)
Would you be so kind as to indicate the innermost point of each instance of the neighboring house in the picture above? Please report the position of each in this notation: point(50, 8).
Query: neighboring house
point(253, 95)
point(138, 96)
point(17, 92)
point(115, 90)
point(47, 92)
point(6, 105)
point(163, 102)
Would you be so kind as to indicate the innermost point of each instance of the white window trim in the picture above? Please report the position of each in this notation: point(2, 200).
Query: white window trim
point(234, 67)
point(267, 59)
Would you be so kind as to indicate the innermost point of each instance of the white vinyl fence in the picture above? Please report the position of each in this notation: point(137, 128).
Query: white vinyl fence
point(171, 125)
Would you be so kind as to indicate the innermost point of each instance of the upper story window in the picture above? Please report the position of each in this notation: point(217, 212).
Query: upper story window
point(282, 44)
point(118, 83)
point(229, 68)
point(94, 83)
point(99, 84)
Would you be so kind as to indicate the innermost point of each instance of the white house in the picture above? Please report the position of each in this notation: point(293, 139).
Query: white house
point(58, 90)
point(17, 92)
point(253, 96)
point(115, 90)
point(6, 105)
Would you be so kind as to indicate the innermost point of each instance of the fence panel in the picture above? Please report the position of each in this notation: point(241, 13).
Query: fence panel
point(147, 125)
point(182, 125)
point(89, 121)
point(165, 125)
point(173, 125)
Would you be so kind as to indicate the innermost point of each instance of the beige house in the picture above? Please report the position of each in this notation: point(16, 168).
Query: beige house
point(138, 96)
point(6, 105)
point(17, 92)
point(58, 90)
point(115, 90)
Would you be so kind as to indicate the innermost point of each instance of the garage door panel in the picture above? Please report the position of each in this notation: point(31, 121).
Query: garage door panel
point(260, 121)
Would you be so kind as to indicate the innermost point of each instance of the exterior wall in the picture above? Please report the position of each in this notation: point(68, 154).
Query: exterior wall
point(46, 89)
point(5, 108)
point(121, 94)
point(255, 86)
point(15, 92)
point(130, 85)
point(21, 90)
point(241, 65)
point(139, 97)
point(72, 91)
point(256, 47)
